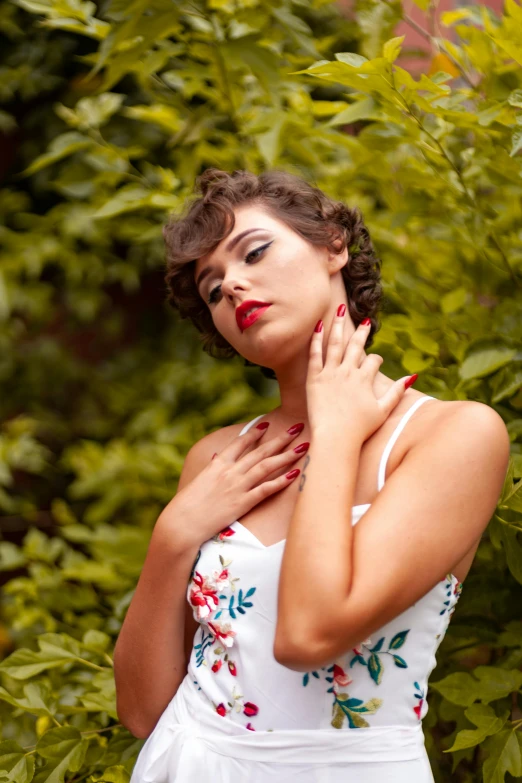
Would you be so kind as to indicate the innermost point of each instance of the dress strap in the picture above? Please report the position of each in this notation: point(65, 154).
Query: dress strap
point(395, 434)
point(249, 424)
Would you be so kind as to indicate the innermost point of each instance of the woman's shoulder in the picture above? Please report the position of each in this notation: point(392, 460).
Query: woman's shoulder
point(217, 439)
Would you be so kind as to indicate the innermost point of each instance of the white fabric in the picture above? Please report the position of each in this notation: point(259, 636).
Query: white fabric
point(240, 716)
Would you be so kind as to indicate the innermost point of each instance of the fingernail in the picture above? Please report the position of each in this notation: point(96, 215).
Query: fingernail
point(408, 382)
point(263, 425)
point(366, 322)
point(295, 429)
point(318, 326)
point(301, 448)
point(293, 473)
point(341, 309)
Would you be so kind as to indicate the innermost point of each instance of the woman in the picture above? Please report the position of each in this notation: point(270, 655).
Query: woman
point(308, 641)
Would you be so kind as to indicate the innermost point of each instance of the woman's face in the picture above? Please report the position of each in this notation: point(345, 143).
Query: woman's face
point(264, 259)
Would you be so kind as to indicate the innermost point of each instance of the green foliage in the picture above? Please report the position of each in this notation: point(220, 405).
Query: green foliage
point(110, 116)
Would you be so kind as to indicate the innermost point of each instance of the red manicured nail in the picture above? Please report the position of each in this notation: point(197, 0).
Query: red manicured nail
point(295, 429)
point(301, 448)
point(293, 473)
point(408, 382)
point(263, 425)
point(366, 322)
point(318, 326)
point(341, 309)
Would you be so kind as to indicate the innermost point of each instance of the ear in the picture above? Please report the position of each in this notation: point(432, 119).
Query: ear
point(337, 258)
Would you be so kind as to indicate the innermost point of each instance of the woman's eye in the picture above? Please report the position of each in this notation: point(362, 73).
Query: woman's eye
point(252, 254)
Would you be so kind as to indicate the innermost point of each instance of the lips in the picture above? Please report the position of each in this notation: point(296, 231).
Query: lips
point(248, 312)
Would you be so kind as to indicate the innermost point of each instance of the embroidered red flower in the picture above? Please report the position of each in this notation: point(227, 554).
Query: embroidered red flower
point(250, 709)
point(249, 726)
point(232, 668)
point(216, 666)
point(418, 709)
point(225, 533)
point(221, 579)
point(221, 710)
point(203, 596)
point(223, 632)
point(341, 679)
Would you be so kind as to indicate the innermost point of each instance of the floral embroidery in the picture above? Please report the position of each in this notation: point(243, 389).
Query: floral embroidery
point(374, 662)
point(353, 710)
point(249, 708)
point(449, 603)
point(203, 596)
point(224, 534)
point(420, 696)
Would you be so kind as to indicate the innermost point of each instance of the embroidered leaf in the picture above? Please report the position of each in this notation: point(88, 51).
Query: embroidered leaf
point(417, 685)
point(240, 596)
point(398, 640)
point(240, 610)
point(375, 668)
point(329, 679)
point(338, 717)
point(378, 645)
point(218, 650)
point(400, 662)
point(357, 659)
point(218, 614)
point(223, 596)
point(250, 592)
point(330, 690)
point(354, 704)
point(357, 721)
point(305, 679)
point(316, 675)
point(247, 603)
point(230, 607)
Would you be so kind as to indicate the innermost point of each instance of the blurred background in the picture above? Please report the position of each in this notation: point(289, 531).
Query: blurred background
point(411, 111)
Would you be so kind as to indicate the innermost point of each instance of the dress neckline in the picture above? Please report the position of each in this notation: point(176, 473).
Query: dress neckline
point(283, 540)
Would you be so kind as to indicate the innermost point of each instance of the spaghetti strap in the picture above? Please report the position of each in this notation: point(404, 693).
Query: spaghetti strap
point(249, 423)
point(395, 434)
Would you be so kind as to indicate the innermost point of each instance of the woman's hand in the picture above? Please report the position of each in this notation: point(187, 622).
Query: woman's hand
point(234, 481)
point(339, 391)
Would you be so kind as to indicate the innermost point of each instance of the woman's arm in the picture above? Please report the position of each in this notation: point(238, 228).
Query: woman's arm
point(339, 584)
point(150, 657)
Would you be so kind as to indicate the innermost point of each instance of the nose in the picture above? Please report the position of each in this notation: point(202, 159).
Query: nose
point(233, 287)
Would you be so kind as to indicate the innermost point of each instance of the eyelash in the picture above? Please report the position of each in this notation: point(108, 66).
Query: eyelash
point(211, 296)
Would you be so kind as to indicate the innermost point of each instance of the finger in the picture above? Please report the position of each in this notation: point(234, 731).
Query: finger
point(315, 359)
point(268, 448)
point(370, 366)
point(354, 353)
point(394, 394)
point(278, 462)
point(267, 488)
point(335, 346)
point(242, 443)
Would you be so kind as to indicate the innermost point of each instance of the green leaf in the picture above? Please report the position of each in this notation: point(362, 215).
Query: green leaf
point(504, 755)
point(488, 723)
point(392, 48)
point(485, 361)
point(60, 147)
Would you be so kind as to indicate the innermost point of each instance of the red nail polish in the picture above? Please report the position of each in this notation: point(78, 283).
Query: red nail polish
point(301, 448)
point(293, 473)
point(318, 326)
point(341, 309)
point(408, 382)
point(263, 425)
point(366, 322)
point(295, 429)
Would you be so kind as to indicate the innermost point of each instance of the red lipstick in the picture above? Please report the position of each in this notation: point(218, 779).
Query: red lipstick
point(244, 320)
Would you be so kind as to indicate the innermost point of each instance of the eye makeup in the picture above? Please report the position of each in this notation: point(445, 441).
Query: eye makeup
point(214, 292)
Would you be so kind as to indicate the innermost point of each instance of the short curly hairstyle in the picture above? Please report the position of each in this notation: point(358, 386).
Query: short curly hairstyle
point(287, 197)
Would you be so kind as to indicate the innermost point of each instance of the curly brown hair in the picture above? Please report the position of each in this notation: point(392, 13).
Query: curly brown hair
point(287, 197)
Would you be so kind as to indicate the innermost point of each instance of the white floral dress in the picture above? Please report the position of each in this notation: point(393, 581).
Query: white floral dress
point(239, 716)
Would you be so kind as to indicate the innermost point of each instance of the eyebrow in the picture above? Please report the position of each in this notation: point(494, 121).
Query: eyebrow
point(231, 245)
